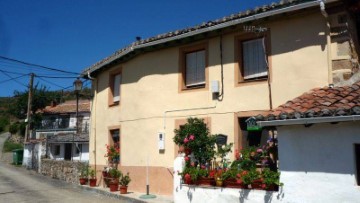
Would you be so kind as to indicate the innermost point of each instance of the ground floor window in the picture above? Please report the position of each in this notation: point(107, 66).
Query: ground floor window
point(78, 148)
point(113, 148)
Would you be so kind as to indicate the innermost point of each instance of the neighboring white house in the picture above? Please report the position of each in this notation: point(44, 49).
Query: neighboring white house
point(57, 137)
point(319, 145)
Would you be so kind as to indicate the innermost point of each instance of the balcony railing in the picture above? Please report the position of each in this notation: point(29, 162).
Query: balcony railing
point(62, 124)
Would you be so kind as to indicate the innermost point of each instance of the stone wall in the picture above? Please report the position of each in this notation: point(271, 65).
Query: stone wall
point(63, 170)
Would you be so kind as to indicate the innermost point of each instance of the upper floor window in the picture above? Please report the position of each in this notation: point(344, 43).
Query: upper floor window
point(252, 61)
point(193, 67)
point(114, 87)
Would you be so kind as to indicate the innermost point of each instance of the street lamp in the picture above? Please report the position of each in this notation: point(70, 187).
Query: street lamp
point(77, 88)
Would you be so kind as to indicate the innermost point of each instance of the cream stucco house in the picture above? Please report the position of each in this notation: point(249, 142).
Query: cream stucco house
point(224, 71)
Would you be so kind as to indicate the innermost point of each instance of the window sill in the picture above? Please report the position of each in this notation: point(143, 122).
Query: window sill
point(114, 104)
point(251, 82)
point(194, 89)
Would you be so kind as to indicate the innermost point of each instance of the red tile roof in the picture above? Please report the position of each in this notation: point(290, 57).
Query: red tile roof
point(320, 102)
point(67, 107)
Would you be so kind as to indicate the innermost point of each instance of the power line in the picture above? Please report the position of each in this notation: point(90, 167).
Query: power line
point(14, 79)
point(50, 82)
point(45, 76)
point(31, 64)
point(17, 73)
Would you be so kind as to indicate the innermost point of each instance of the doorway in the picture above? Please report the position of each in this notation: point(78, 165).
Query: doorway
point(67, 154)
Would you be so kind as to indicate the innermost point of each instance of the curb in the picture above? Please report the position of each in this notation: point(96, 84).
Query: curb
point(110, 194)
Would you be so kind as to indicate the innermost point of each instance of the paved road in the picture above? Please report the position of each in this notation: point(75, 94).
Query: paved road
point(20, 185)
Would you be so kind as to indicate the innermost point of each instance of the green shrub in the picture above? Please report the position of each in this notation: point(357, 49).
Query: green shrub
point(9, 146)
point(13, 128)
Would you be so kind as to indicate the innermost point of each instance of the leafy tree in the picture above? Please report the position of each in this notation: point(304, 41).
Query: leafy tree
point(13, 128)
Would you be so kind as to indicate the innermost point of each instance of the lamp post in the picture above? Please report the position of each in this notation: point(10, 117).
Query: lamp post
point(77, 88)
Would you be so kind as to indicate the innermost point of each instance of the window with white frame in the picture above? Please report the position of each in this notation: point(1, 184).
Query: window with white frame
point(195, 69)
point(254, 62)
point(116, 88)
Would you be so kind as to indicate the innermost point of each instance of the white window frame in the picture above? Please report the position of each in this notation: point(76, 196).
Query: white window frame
point(252, 59)
point(195, 65)
point(116, 88)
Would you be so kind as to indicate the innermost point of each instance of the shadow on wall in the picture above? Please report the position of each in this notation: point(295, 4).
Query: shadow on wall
point(287, 36)
point(327, 148)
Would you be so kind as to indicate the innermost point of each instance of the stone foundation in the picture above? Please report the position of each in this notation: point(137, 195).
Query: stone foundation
point(63, 170)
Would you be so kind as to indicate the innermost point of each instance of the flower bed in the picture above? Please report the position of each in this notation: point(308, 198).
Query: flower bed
point(205, 163)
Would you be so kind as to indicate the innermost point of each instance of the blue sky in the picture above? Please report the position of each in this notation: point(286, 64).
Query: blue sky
point(72, 35)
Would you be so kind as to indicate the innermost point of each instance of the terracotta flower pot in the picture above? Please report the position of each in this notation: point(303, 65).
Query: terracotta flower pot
point(257, 184)
point(205, 181)
point(83, 181)
point(113, 187)
point(232, 183)
point(123, 189)
point(92, 182)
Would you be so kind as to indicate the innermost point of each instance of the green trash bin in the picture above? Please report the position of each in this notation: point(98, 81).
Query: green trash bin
point(18, 156)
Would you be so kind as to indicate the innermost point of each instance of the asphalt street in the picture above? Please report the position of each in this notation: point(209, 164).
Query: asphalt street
point(20, 185)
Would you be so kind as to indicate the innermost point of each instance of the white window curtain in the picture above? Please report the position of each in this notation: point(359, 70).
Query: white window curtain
point(116, 93)
point(254, 61)
point(195, 68)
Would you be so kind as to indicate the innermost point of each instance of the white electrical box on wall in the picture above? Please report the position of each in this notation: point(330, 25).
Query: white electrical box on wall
point(161, 140)
point(215, 86)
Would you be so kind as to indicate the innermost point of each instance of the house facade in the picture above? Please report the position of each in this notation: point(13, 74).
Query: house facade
point(56, 137)
point(223, 71)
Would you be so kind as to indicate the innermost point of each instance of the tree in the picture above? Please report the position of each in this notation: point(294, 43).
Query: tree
point(41, 98)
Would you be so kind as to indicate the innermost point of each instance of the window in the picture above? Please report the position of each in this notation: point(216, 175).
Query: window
point(251, 55)
point(114, 88)
point(357, 163)
point(115, 135)
point(193, 67)
point(114, 141)
point(78, 148)
point(57, 150)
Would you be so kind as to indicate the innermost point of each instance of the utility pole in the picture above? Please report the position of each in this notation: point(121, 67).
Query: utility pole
point(29, 107)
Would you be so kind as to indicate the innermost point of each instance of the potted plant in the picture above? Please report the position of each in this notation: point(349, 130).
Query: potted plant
point(219, 177)
point(114, 175)
point(196, 139)
point(124, 182)
point(113, 153)
point(271, 180)
point(83, 176)
point(92, 179)
point(250, 178)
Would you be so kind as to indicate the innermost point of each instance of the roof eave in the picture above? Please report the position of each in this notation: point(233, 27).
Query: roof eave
point(305, 121)
point(204, 30)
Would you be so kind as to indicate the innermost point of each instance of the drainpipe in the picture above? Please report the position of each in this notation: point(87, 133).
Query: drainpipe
point(328, 40)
